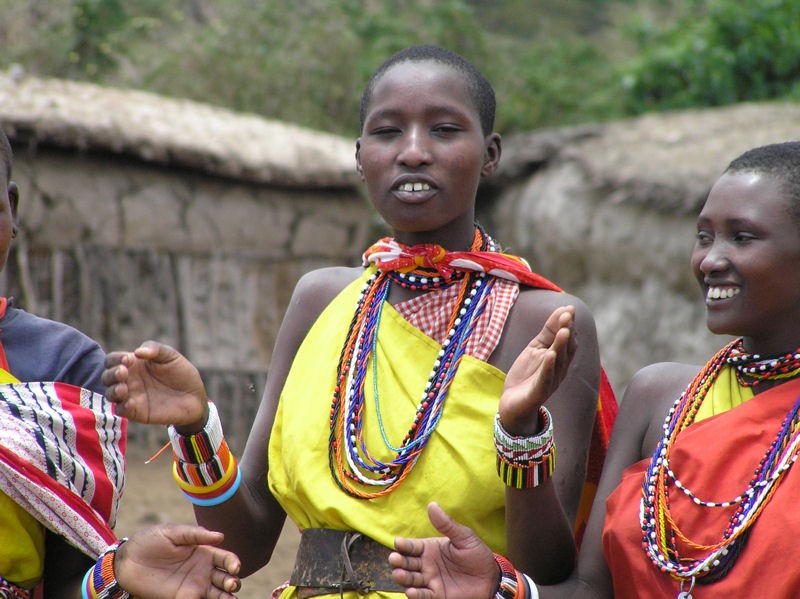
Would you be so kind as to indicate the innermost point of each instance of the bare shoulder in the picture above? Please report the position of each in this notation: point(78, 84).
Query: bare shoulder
point(539, 303)
point(528, 316)
point(317, 288)
point(650, 394)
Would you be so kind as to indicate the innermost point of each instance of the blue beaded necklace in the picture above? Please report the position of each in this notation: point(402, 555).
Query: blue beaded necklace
point(352, 465)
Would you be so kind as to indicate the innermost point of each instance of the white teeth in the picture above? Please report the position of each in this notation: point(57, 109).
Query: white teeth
point(416, 186)
point(721, 292)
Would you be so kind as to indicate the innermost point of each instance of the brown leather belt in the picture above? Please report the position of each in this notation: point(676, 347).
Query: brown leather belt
point(334, 561)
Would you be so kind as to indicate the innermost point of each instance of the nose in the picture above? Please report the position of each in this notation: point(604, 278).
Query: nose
point(714, 258)
point(415, 150)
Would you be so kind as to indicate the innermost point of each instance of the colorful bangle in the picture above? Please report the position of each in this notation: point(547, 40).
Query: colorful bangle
point(204, 467)
point(211, 499)
point(513, 583)
point(508, 587)
point(100, 581)
point(201, 446)
point(10, 590)
point(525, 462)
point(531, 591)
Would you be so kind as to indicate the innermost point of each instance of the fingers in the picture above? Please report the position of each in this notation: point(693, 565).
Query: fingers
point(407, 547)
point(441, 520)
point(156, 352)
point(408, 578)
point(227, 561)
point(187, 534)
point(225, 581)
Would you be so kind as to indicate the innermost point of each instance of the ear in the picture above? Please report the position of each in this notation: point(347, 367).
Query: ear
point(359, 168)
point(13, 202)
point(491, 155)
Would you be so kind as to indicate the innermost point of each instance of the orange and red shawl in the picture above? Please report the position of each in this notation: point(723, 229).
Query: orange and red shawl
point(391, 255)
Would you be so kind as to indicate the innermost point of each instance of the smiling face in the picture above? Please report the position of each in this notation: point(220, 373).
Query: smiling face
point(422, 153)
point(747, 260)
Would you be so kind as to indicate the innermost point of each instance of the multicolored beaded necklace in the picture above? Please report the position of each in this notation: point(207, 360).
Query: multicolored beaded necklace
point(352, 465)
point(659, 528)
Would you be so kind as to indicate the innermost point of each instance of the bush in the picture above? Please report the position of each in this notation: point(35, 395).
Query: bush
point(734, 51)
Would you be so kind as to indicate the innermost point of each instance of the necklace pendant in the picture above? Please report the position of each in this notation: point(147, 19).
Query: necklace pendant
point(687, 594)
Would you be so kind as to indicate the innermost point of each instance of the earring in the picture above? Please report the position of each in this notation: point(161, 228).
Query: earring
point(13, 232)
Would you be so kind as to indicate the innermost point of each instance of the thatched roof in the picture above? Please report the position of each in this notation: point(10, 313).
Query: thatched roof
point(173, 132)
point(666, 161)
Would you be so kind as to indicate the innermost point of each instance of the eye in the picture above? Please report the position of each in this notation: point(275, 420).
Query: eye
point(447, 129)
point(385, 131)
point(703, 238)
point(743, 237)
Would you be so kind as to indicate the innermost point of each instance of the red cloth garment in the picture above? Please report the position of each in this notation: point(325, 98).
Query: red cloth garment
point(715, 459)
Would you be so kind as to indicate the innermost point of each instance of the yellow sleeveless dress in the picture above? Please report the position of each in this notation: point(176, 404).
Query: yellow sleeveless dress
point(456, 469)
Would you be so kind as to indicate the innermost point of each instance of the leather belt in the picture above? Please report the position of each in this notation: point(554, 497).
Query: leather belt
point(334, 561)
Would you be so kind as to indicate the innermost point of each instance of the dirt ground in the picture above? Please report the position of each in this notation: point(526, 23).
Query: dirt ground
point(151, 496)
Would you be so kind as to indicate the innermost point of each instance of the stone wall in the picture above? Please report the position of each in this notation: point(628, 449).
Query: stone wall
point(127, 251)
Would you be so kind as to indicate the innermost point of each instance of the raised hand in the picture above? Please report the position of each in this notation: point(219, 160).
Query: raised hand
point(537, 372)
point(155, 384)
point(456, 566)
point(177, 561)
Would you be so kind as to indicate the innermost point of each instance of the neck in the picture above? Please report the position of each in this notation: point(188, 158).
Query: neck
point(457, 236)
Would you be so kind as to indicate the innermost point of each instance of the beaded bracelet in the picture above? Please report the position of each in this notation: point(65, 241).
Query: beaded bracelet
point(204, 467)
point(9, 590)
point(100, 581)
point(509, 585)
point(525, 462)
point(201, 446)
point(513, 583)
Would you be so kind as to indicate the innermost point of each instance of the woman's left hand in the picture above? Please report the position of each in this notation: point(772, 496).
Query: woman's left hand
point(537, 372)
point(177, 561)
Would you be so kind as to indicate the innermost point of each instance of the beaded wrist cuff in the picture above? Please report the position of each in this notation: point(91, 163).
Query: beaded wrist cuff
point(100, 582)
point(513, 583)
point(525, 462)
point(204, 467)
point(8, 590)
point(201, 446)
point(509, 584)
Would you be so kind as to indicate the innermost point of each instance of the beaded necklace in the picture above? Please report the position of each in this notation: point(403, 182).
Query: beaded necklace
point(659, 528)
point(353, 467)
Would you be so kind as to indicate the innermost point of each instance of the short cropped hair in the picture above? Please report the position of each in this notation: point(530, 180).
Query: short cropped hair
point(480, 90)
point(780, 161)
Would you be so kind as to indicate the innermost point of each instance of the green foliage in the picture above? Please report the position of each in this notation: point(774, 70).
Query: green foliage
point(552, 62)
point(552, 83)
point(734, 51)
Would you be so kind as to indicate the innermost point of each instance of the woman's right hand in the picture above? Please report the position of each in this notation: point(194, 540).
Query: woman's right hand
point(155, 384)
point(457, 565)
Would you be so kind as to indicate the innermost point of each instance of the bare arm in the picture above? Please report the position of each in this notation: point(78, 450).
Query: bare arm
point(539, 521)
point(156, 384)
